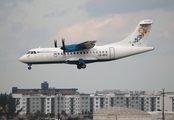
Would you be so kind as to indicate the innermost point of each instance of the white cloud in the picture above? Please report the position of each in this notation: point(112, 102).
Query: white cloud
point(110, 28)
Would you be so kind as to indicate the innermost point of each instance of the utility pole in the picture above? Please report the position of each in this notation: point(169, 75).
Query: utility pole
point(163, 105)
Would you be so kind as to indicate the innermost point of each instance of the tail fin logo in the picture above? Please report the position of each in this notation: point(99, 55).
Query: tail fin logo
point(142, 31)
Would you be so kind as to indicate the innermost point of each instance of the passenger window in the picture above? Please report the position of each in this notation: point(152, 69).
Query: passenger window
point(106, 51)
point(96, 51)
point(83, 52)
point(99, 51)
point(61, 54)
point(74, 53)
point(80, 52)
point(77, 52)
point(57, 53)
point(71, 53)
point(31, 52)
point(102, 51)
point(34, 52)
point(86, 52)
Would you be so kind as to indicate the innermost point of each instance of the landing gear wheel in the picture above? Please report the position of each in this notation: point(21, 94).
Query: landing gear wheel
point(79, 66)
point(83, 66)
point(29, 68)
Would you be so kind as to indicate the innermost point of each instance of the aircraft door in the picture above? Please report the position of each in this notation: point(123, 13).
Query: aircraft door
point(112, 52)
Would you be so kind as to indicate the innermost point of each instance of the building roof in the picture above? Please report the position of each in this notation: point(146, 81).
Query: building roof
point(120, 111)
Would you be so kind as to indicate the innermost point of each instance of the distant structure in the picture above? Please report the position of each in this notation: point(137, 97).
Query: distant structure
point(52, 100)
point(45, 90)
point(120, 113)
point(44, 85)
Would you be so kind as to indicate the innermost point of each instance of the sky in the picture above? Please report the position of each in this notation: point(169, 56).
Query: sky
point(27, 24)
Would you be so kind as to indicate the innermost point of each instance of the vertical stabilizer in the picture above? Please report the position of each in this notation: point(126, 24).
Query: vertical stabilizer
point(140, 36)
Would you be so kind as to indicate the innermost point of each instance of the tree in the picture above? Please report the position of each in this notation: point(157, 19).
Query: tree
point(8, 106)
point(36, 116)
point(63, 112)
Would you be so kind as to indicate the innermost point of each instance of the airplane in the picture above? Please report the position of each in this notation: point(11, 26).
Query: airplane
point(87, 52)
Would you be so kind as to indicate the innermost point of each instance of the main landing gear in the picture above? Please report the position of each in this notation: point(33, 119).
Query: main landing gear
point(79, 66)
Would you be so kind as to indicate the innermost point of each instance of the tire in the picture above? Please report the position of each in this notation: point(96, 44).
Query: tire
point(79, 66)
point(29, 68)
point(83, 66)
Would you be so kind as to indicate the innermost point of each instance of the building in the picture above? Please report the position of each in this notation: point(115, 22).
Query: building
point(120, 113)
point(45, 90)
point(56, 100)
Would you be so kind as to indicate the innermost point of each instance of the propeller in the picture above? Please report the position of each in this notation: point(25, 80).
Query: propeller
point(55, 43)
point(63, 45)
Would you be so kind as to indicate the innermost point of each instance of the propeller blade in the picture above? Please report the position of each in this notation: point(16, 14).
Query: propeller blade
point(63, 45)
point(55, 43)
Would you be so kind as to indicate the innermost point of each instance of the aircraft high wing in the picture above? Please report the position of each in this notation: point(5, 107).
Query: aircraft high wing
point(87, 52)
point(75, 47)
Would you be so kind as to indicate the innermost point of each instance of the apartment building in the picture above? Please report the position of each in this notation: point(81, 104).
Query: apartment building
point(85, 103)
point(88, 103)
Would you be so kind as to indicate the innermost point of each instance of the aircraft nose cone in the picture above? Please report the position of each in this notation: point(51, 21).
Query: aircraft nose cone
point(21, 59)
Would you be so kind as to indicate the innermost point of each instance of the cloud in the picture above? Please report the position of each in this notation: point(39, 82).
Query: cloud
point(105, 30)
point(53, 14)
point(100, 8)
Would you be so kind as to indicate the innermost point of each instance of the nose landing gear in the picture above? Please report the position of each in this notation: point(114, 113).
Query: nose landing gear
point(29, 66)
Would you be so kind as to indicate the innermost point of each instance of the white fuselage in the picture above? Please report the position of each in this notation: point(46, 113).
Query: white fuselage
point(96, 54)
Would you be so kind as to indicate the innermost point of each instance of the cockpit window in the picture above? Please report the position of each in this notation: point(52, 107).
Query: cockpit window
point(31, 52)
point(28, 52)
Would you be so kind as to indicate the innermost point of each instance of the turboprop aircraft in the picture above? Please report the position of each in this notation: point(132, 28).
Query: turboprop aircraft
point(87, 52)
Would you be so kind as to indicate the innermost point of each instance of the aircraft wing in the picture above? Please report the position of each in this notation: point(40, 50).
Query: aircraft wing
point(87, 44)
